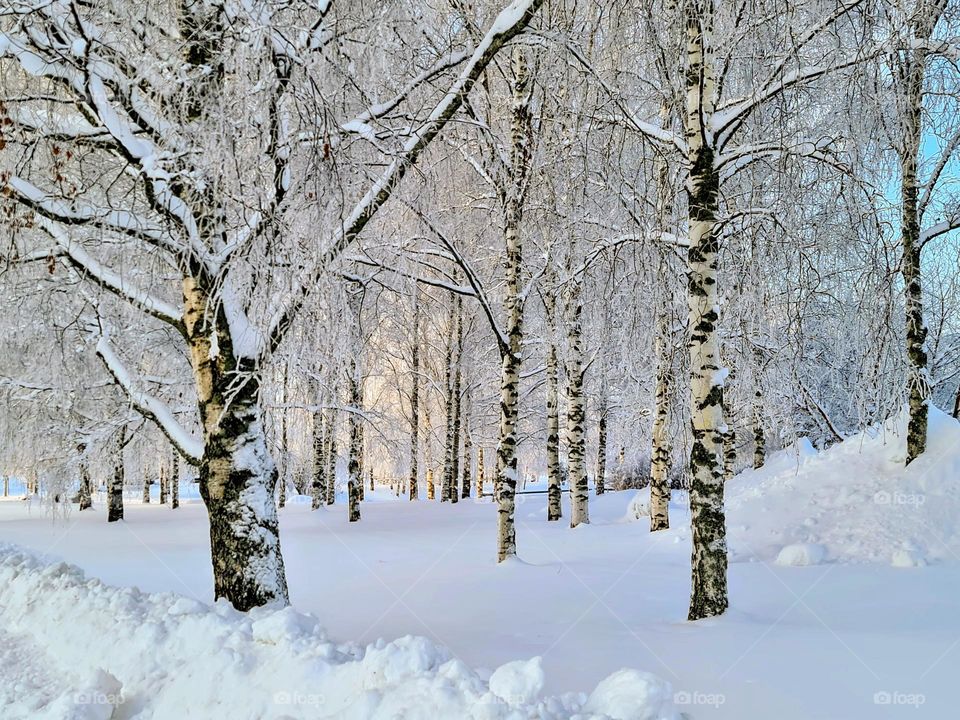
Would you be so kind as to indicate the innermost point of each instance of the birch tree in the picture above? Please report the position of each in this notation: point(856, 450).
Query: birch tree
point(552, 396)
point(414, 480)
point(520, 161)
point(160, 133)
point(116, 483)
point(909, 66)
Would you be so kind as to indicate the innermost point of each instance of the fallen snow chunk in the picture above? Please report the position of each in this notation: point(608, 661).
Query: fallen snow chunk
point(187, 606)
point(637, 508)
point(802, 554)
point(518, 682)
point(632, 695)
point(99, 698)
point(906, 558)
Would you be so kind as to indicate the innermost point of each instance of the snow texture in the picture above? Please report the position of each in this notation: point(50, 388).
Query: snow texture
point(76, 649)
point(854, 502)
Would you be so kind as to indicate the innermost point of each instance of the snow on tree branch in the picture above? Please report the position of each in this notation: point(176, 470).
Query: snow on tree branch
point(509, 23)
point(114, 282)
point(155, 409)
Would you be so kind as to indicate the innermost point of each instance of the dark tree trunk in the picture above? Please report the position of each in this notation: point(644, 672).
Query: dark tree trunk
point(318, 486)
point(238, 477)
point(237, 483)
point(602, 451)
point(918, 382)
point(164, 483)
point(414, 490)
point(115, 488)
point(759, 439)
point(85, 495)
point(175, 480)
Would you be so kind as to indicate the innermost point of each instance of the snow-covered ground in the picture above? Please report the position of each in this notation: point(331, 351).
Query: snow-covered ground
point(826, 620)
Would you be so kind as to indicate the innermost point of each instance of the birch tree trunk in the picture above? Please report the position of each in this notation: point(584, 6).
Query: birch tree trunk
point(660, 459)
point(164, 481)
point(918, 382)
point(431, 490)
point(414, 490)
point(554, 511)
point(467, 480)
point(361, 455)
point(729, 454)
point(759, 439)
point(480, 472)
point(86, 490)
point(331, 456)
point(318, 486)
point(661, 451)
point(520, 132)
point(709, 560)
point(146, 488)
point(237, 475)
point(576, 411)
point(175, 481)
point(601, 449)
point(115, 488)
point(285, 438)
point(457, 407)
point(448, 448)
point(354, 470)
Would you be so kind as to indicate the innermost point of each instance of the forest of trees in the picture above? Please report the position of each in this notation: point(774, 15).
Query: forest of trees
point(461, 247)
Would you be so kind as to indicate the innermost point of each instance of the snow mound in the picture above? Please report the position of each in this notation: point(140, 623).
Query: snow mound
point(518, 682)
point(803, 554)
point(639, 507)
point(854, 502)
point(76, 649)
point(632, 695)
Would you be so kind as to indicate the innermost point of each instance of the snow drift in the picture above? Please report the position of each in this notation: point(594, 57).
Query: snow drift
point(854, 502)
point(76, 649)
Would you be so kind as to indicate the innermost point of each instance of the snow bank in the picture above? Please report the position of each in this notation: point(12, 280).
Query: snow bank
point(854, 502)
point(73, 648)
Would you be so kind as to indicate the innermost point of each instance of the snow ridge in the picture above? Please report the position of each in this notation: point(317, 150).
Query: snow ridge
point(854, 502)
point(89, 651)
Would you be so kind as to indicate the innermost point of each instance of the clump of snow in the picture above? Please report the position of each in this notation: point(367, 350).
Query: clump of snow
point(802, 554)
point(907, 557)
point(632, 695)
point(518, 682)
point(73, 647)
point(638, 507)
point(855, 500)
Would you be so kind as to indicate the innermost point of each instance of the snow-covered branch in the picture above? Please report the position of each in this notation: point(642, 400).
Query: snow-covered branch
point(661, 136)
point(106, 278)
point(190, 447)
point(733, 161)
point(728, 118)
point(950, 222)
point(122, 222)
point(509, 23)
point(474, 281)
